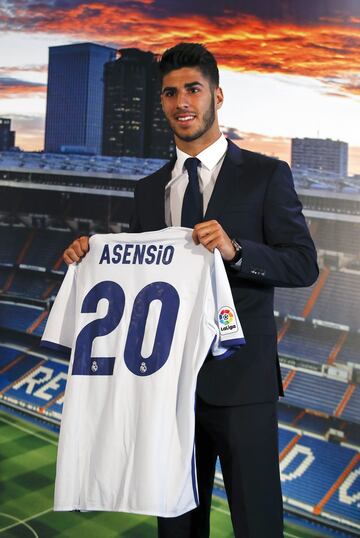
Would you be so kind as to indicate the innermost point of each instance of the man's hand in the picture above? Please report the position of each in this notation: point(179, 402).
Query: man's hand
point(212, 235)
point(76, 250)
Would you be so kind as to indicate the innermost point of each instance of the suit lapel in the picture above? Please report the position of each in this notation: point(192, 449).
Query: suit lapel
point(157, 210)
point(223, 188)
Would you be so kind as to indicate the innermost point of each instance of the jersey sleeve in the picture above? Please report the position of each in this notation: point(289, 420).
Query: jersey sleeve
point(224, 320)
point(59, 330)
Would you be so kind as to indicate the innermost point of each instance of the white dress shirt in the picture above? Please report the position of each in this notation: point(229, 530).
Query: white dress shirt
point(211, 160)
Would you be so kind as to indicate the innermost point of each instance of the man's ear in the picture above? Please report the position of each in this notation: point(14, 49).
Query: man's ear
point(219, 97)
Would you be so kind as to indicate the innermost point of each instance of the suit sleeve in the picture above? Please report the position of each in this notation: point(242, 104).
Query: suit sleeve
point(287, 257)
point(135, 226)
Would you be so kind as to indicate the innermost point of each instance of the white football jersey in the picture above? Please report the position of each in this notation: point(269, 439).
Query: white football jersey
point(140, 314)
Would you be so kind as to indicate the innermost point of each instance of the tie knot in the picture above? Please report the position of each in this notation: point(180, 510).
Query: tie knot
point(191, 165)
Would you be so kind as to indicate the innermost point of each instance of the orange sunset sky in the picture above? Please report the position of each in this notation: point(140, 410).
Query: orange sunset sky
point(286, 69)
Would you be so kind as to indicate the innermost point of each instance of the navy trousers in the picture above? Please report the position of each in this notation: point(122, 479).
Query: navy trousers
point(245, 438)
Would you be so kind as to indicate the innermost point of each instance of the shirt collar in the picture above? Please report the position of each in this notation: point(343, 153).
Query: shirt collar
point(209, 157)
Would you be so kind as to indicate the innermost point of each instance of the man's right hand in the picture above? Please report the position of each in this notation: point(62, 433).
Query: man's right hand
point(76, 250)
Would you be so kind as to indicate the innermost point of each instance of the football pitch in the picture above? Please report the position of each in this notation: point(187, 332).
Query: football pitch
point(27, 471)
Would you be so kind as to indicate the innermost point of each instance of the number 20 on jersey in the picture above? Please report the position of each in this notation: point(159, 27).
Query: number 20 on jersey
point(85, 364)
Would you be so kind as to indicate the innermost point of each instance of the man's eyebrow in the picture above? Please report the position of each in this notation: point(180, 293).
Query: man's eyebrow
point(187, 85)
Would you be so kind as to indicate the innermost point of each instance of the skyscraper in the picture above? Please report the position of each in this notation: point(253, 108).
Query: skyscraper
point(7, 136)
point(134, 123)
point(74, 109)
point(322, 157)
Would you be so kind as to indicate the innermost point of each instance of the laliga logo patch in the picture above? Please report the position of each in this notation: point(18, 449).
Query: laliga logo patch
point(227, 320)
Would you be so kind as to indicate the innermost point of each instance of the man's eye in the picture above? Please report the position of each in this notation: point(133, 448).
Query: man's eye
point(169, 93)
point(194, 90)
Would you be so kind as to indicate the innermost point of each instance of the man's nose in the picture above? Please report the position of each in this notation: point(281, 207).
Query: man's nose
point(182, 100)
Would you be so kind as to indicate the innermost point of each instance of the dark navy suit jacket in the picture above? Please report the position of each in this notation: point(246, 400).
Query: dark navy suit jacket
point(255, 202)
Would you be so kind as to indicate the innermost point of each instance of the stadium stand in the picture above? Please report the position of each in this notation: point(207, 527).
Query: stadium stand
point(323, 394)
point(12, 239)
point(336, 236)
point(45, 248)
point(319, 342)
point(292, 301)
point(339, 300)
point(19, 317)
point(314, 471)
point(302, 340)
point(7, 355)
point(352, 409)
point(350, 351)
point(32, 284)
point(312, 423)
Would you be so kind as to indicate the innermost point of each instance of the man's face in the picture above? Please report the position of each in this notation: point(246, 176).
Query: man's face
point(190, 104)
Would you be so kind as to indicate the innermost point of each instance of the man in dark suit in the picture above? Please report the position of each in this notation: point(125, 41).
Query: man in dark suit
point(251, 213)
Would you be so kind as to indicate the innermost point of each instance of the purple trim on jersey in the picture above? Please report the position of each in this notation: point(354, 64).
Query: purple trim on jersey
point(226, 354)
point(234, 346)
point(233, 342)
point(193, 477)
point(53, 345)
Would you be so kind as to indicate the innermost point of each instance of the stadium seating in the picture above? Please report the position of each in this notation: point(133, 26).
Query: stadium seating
point(286, 413)
point(335, 235)
point(350, 351)
point(352, 408)
point(11, 375)
point(39, 329)
point(35, 285)
point(4, 275)
point(46, 247)
point(292, 300)
point(313, 423)
point(302, 340)
point(7, 355)
point(12, 240)
point(19, 317)
point(339, 300)
point(309, 472)
point(314, 392)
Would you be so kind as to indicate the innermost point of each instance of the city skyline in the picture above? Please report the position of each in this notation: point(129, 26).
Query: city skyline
point(286, 71)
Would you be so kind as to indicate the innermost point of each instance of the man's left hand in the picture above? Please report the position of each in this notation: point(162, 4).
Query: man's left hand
point(212, 235)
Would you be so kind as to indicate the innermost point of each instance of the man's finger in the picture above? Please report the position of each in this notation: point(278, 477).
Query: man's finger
point(70, 256)
point(84, 243)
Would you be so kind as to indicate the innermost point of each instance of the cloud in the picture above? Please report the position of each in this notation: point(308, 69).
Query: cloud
point(13, 87)
point(24, 69)
point(304, 12)
point(284, 37)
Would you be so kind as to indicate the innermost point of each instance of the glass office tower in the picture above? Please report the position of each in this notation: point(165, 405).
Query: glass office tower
point(75, 93)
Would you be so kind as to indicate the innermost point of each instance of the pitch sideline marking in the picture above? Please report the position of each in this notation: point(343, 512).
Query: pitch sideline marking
point(26, 430)
point(20, 522)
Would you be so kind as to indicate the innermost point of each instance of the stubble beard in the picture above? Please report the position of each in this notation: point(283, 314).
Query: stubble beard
point(207, 123)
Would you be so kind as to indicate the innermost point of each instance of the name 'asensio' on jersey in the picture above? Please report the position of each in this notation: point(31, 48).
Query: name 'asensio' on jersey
point(130, 253)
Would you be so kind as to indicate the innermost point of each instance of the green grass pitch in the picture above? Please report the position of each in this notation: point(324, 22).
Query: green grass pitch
point(27, 471)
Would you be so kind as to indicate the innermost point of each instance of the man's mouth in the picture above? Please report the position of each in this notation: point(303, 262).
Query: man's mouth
point(185, 118)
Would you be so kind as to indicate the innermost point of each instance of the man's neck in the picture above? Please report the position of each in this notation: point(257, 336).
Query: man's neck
point(195, 147)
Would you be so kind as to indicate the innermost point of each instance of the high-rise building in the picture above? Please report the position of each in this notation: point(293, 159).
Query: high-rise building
point(75, 93)
point(134, 123)
point(7, 136)
point(323, 157)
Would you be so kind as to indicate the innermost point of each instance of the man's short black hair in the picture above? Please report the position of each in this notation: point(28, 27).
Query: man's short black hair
point(190, 55)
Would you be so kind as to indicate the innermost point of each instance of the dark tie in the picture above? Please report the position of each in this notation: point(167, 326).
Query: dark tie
point(192, 208)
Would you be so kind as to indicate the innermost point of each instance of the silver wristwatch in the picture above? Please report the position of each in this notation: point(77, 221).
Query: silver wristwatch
point(238, 251)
